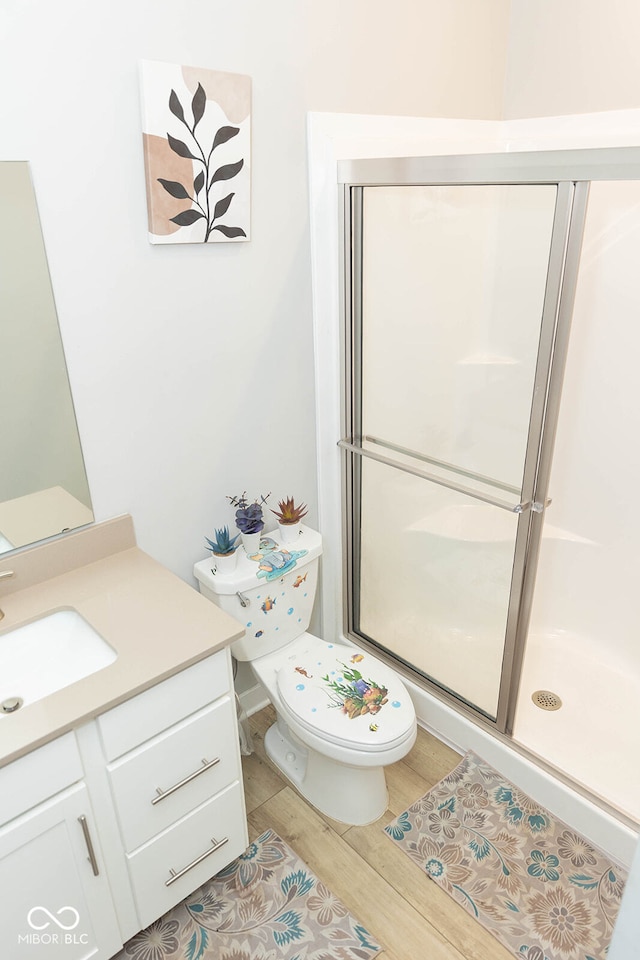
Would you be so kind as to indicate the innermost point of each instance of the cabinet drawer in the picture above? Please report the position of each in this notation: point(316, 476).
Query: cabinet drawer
point(169, 776)
point(189, 851)
point(38, 776)
point(156, 709)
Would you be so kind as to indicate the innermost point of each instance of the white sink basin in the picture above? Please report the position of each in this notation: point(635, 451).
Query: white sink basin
point(47, 654)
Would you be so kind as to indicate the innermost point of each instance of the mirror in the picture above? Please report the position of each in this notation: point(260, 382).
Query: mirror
point(43, 483)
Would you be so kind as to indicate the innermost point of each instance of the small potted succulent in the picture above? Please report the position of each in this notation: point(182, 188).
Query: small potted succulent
point(249, 521)
point(223, 548)
point(289, 514)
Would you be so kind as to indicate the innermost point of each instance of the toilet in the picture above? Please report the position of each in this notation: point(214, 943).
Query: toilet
point(342, 714)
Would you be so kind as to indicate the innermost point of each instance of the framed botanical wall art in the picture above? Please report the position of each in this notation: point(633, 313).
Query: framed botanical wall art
point(197, 153)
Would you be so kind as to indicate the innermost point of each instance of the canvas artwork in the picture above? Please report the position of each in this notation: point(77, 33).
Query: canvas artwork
point(197, 152)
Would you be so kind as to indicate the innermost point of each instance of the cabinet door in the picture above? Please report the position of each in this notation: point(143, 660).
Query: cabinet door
point(51, 898)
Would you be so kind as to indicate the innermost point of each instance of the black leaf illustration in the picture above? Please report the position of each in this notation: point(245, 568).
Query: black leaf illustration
point(198, 183)
point(198, 104)
point(180, 148)
point(222, 206)
point(174, 188)
point(228, 171)
point(175, 106)
point(224, 134)
point(230, 231)
point(193, 149)
point(187, 217)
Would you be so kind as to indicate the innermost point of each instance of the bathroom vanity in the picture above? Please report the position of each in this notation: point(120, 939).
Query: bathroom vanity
point(121, 793)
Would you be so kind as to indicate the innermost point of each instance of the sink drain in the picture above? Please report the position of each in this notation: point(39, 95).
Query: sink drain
point(546, 700)
point(11, 704)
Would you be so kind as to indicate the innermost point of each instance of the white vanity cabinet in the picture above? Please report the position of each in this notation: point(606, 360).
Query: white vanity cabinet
point(55, 895)
point(106, 828)
point(178, 794)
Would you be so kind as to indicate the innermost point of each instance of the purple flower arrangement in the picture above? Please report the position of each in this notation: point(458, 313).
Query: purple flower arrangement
point(249, 518)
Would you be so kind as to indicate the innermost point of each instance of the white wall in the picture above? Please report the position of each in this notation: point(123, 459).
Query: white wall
point(192, 366)
point(576, 56)
point(426, 59)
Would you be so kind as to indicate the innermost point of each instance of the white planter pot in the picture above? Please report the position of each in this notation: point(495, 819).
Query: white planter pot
point(251, 543)
point(289, 532)
point(225, 562)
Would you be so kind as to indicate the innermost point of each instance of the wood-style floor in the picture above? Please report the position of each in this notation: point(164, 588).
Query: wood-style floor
point(405, 911)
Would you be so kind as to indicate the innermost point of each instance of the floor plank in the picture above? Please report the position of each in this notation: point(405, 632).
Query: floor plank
point(430, 758)
point(404, 786)
point(431, 902)
point(261, 782)
point(366, 893)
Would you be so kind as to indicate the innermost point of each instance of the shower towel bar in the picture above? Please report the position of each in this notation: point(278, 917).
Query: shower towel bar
point(407, 452)
point(441, 481)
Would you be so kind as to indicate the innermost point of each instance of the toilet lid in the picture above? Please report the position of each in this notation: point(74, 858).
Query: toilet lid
point(346, 696)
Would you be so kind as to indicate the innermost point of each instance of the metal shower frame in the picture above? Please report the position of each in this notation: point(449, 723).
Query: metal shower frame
point(571, 172)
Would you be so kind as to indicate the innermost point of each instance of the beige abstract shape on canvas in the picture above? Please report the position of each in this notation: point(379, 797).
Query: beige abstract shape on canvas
point(161, 161)
point(231, 91)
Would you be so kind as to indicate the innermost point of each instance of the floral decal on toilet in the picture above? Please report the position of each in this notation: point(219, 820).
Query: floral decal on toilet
point(356, 696)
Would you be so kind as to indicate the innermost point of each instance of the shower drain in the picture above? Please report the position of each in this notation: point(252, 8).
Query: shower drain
point(546, 700)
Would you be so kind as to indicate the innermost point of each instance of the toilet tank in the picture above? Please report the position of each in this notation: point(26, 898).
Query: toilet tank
point(271, 594)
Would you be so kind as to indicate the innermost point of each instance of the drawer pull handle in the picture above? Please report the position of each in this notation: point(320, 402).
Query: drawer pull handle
point(87, 839)
point(206, 765)
point(176, 876)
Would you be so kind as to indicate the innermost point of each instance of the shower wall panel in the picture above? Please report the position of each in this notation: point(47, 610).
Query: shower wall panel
point(453, 284)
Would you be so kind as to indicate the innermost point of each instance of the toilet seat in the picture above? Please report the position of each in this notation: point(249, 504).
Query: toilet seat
point(345, 696)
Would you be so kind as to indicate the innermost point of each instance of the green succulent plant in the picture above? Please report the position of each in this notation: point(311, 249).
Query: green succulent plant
point(224, 543)
point(289, 512)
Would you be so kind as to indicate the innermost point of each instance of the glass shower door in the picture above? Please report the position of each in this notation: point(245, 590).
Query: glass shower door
point(451, 346)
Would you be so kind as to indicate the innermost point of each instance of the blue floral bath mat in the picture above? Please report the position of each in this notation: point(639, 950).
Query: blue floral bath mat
point(539, 887)
point(266, 905)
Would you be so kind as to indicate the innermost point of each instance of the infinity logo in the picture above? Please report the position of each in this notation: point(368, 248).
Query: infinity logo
point(58, 923)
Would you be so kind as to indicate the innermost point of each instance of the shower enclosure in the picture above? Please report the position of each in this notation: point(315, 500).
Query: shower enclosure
point(460, 276)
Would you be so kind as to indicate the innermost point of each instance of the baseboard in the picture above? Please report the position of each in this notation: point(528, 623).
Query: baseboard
point(253, 699)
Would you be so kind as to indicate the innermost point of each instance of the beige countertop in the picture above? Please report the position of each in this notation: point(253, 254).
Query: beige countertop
point(156, 623)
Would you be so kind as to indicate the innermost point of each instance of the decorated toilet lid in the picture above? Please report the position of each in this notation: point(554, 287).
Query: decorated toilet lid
point(346, 696)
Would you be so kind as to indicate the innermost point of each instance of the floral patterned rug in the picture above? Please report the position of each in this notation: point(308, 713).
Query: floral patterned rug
point(266, 905)
point(538, 886)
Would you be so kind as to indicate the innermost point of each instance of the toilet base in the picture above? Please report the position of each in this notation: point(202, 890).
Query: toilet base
point(354, 795)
